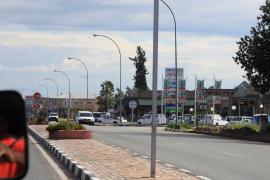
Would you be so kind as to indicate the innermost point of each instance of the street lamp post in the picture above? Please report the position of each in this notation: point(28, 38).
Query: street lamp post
point(57, 88)
point(47, 104)
point(233, 108)
point(120, 56)
point(175, 56)
point(261, 107)
point(86, 78)
point(69, 95)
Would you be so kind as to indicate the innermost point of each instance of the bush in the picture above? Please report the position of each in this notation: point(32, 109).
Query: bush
point(173, 126)
point(186, 126)
point(65, 125)
point(244, 129)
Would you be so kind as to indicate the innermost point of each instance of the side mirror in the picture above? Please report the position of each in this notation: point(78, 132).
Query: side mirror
point(13, 136)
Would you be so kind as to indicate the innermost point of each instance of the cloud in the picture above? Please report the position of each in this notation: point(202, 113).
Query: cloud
point(206, 17)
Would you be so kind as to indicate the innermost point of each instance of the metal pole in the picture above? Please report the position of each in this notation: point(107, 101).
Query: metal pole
point(154, 89)
point(120, 56)
point(57, 88)
point(69, 94)
point(47, 100)
point(132, 116)
point(86, 104)
point(195, 101)
point(162, 96)
point(175, 56)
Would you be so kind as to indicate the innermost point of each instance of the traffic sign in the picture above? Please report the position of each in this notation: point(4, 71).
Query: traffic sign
point(37, 95)
point(132, 104)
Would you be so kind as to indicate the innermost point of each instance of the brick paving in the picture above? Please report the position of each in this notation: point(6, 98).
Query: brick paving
point(111, 163)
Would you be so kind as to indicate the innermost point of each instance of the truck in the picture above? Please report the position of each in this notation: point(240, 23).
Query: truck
point(146, 119)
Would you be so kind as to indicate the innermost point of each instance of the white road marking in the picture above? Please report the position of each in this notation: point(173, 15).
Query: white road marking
point(187, 171)
point(169, 165)
point(48, 158)
point(204, 178)
point(232, 154)
point(145, 157)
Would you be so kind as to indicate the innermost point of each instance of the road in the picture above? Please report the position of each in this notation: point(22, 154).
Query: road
point(42, 166)
point(212, 157)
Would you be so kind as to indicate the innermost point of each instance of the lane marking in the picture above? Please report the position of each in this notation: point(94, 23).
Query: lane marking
point(186, 171)
point(232, 154)
point(169, 165)
point(49, 159)
point(203, 178)
point(145, 157)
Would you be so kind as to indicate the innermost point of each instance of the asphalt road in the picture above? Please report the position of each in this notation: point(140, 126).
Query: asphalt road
point(213, 157)
point(42, 166)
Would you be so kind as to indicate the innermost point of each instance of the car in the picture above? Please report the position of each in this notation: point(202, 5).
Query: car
point(215, 120)
point(147, 119)
point(85, 117)
point(53, 116)
point(109, 119)
point(98, 115)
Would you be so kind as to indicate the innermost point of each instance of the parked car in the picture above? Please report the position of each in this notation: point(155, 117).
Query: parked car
point(98, 116)
point(109, 119)
point(147, 119)
point(257, 118)
point(53, 116)
point(215, 119)
point(85, 117)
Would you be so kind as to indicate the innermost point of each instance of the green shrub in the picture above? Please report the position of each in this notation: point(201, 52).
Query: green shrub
point(65, 125)
point(244, 127)
point(170, 125)
point(186, 126)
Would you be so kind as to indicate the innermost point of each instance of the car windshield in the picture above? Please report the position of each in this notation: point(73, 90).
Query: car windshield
point(53, 114)
point(86, 114)
point(97, 115)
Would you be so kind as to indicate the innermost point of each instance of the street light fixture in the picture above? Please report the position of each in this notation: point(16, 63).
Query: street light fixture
point(69, 94)
point(120, 56)
point(57, 88)
point(86, 78)
point(175, 56)
point(233, 108)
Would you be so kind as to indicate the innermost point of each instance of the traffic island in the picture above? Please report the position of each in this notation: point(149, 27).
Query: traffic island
point(107, 161)
point(71, 134)
point(68, 130)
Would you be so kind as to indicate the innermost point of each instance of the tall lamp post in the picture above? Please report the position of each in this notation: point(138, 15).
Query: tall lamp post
point(86, 78)
point(175, 56)
point(47, 92)
point(233, 108)
point(261, 107)
point(57, 88)
point(69, 95)
point(120, 56)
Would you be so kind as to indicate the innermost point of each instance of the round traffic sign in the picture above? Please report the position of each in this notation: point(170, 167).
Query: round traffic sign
point(132, 104)
point(37, 95)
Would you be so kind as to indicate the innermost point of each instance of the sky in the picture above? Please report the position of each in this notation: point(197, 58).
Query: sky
point(37, 37)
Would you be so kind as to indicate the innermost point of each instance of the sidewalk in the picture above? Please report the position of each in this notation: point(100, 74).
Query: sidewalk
point(111, 163)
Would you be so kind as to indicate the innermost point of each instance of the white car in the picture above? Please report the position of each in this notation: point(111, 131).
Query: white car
point(109, 119)
point(53, 116)
point(85, 117)
point(147, 119)
point(215, 120)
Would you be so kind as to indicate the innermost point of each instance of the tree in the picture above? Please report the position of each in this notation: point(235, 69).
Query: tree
point(106, 98)
point(140, 76)
point(254, 52)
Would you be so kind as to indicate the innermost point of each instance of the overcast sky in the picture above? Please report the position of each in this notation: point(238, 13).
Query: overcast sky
point(36, 36)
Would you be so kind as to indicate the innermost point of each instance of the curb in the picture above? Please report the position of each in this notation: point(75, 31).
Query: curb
point(158, 161)
point(74, 167)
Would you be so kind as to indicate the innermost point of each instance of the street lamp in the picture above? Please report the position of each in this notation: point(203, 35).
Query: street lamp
point(99, 35)
point(57, 88)
point(69, 95)
point(175, 56)
point(86, 78)
point(233, 108)
point(47, 104)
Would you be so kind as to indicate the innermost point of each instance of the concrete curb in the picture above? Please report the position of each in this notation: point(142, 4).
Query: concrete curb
point(74, 167)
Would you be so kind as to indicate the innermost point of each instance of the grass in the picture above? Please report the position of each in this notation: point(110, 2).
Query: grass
point(253, 127)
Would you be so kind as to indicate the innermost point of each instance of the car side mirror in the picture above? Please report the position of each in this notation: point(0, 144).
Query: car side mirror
point(13, 136)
